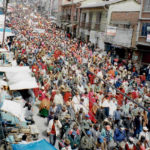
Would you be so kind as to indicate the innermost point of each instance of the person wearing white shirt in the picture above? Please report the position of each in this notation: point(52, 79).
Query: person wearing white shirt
point(145, 133)
point(58, 100)
point(53, 129)
point(112, 106)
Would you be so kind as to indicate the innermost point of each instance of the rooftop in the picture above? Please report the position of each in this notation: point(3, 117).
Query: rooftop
point(97, 3)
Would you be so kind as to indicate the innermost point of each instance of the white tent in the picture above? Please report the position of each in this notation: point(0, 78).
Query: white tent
point(15, 69)
point(19, 78)
point(30, 84)
point(2, 18)
point(14, 109)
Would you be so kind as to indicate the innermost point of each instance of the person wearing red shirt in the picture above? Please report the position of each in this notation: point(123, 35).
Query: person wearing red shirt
point(67, 95)
point(143, 78)
point(130, 145)
point(53, 129)
point(91, 78)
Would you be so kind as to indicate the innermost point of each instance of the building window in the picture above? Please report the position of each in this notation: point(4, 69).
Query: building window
point(144, 29)
point(147, 5)
point(90, 16)
point(98, 17)
point(84, 17)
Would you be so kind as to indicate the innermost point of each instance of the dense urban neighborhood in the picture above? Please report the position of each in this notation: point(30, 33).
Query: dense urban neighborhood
point(75, 75)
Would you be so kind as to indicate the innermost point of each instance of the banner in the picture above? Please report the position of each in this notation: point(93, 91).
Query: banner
point(111, 31)
point(148, 38)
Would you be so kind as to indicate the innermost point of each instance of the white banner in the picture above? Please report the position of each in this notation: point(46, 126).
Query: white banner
point(148, 38)
point(111, 31)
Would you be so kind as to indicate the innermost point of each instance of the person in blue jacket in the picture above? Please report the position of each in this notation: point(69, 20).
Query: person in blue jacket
point(119, 134)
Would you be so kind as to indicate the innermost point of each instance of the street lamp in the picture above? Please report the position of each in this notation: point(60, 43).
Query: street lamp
point(7, 1)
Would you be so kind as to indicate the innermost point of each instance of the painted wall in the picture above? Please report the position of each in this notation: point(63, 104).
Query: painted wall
point(129, 5)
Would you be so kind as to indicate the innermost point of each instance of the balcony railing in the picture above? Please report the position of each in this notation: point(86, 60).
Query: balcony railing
point(97, 27)
point(63, 18)
point(88, 26)
point(119, 36)
point(82, 25)
point(75, 18)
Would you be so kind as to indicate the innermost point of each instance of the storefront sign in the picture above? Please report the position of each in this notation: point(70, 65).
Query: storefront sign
point(148, 38)
point(111, 31)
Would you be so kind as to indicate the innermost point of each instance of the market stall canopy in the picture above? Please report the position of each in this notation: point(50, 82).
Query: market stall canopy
point(3, 50)
point(8, 33)
point(15, 69)
point(2, 17)
point(38, 145)
point(19, 78)
point(14, 109)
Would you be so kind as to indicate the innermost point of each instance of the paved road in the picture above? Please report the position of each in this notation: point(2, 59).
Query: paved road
point(41, 123)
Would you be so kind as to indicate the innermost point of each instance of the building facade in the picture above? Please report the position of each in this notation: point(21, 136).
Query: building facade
point(93, 20)
point(143, 38)
point(122, 25)
point(70, 14)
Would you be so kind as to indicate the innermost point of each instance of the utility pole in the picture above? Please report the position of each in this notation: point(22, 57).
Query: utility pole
point(7, 1)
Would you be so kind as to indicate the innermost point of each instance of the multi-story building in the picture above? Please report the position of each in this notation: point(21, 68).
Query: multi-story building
point(93, 20)
point(70, 15)
point(143, 38)
point(121, 30)
point(110, 24)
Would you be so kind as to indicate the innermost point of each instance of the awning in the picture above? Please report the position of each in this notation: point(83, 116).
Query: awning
point(38, 145)
point(71, 25)
point(8, 33)
point(66, 23)
point(19, 78)
point(14, 109)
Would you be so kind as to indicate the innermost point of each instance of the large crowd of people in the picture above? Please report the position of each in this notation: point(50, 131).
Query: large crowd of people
point(79, 88)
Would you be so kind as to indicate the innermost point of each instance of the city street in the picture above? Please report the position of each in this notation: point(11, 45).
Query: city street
point(74, 75)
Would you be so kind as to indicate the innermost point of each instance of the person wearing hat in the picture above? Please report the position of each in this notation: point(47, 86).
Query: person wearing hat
point(87, 141)
point(69, 107)
point(145, 134)
point(130, 144)
point(53, 129)
point(96, 131)
point(106, 133)
point(58, 99)
point(63, 112)
point(85, 124)
point(137, 123)
point(66, 122)
point(142, 144)
point(117, 116)
point(74, 129)
point(119, 134)
point(65, 145)
point(100, 115)
point(101, 144)
point(74, 140)
point(127, 122)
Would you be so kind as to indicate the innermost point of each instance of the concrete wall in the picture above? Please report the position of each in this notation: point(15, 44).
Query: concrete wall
point(129, 5)
point(130, 17)
point(96, 37)
point(123, 37)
